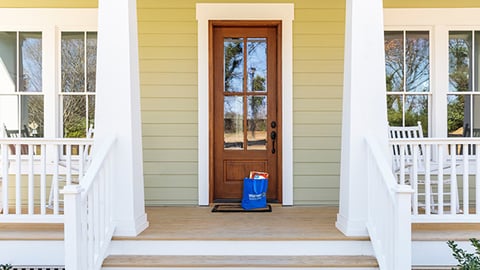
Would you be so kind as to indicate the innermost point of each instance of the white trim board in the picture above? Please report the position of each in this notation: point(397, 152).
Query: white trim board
point(282, 12)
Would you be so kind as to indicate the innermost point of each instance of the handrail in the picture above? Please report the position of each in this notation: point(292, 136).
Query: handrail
point(89, 222)
point(389, 226)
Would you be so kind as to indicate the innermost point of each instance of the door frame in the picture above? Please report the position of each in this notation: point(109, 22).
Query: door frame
point(250, 12)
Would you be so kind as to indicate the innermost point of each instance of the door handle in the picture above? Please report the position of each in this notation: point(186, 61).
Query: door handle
point(273, 136)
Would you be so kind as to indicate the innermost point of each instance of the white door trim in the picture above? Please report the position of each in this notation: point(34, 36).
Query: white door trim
point(282, 12)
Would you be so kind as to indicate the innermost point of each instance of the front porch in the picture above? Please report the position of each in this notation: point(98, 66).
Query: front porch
point(188, 235)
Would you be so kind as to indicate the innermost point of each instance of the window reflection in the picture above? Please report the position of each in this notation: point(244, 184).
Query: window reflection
point(233, 122)
point(21, 98)
point(407, 68)
point(463, 81)
point(233, 59)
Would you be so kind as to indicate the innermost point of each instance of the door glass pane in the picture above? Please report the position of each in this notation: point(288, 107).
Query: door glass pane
point(32, 115)
point(233, 122)
point(257, 123)
point(459, 50)
point(417, 58)
point(74, 116)
point(73, 62)
point(233, 64)
point(257, 64)
point(31, 62)
point(394, 60)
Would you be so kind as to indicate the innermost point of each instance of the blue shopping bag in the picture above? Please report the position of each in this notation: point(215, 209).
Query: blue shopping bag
point(254, 193)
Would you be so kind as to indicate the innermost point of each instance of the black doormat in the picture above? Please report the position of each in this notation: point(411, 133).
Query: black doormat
point(235, 208)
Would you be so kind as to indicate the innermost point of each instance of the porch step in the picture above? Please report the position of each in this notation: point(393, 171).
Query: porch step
point(235, 262)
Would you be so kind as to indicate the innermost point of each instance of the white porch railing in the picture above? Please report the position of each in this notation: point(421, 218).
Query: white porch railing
point(89, 223)
point(32, 172)
point(445, 177)
point(389, 226)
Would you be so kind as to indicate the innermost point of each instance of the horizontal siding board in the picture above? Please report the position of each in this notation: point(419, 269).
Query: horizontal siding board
point(166, 130)
point(317, 28)
point(317, 104)
point(313, 169)
point(329, 130)
point(172, 53)
point(165, 117)
point(177, 168)
point(165, 14)
point(158, 40)
point(317, 181)
point(168, 65)
point(318, 78)
point(316, 143)
point(318, 91)
point(169, 104)
point(335, 40)
point(171, 78)
point(171, 194)
point(166, 27)
point(171, 181)
point(324, 66)
point(315, 195)
point(172, 143)
point(320, 15)
point(169, 91)
point(317, 117)
point(318, 156)
point(170, 155)
point(318, 53)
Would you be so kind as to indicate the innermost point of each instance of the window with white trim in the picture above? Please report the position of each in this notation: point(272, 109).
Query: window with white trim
point(78, 73)
point(407, 68)
point(432, 70)
point(47, 71)
point(463, 100)
point(21, 89)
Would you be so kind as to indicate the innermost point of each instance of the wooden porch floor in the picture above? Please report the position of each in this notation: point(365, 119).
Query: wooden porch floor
point(283, 223)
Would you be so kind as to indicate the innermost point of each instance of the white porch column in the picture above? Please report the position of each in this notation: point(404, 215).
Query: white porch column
point(364, 109)
point(118, 109)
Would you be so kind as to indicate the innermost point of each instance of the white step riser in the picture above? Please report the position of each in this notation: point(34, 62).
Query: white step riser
point(241, 248)
point(424, 253)
point(32, 252)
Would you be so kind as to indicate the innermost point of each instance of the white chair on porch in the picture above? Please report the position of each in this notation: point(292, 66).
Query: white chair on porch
point(413, 165)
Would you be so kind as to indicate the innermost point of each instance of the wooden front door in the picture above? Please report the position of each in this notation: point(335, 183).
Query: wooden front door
point(246, 117)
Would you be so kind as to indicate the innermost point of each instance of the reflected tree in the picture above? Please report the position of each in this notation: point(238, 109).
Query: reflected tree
point(459, 50)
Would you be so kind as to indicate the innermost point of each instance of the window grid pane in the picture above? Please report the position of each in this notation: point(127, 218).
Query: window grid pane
point(79, 52)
